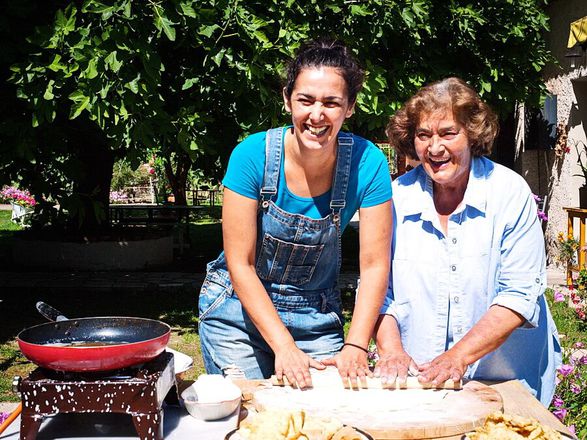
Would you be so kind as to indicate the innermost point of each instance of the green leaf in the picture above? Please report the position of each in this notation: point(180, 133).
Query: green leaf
point(48, 95)
point(218, 57)
point(133, 85)
point(360, 10)
point(112, 63)
point(260, 35)
point(96, 7)
point(127, 10)
point(162, 22)
point(208, 30)
point(55, 65)
point(188, 83)
point(187, 10)
point(80, 103)
point(91, 72)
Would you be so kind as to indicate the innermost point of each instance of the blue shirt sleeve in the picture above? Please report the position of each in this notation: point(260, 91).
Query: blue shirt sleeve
point(522, 277)
point(244, 174)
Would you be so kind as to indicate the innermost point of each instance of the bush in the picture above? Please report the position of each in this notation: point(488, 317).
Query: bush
point(124, 176)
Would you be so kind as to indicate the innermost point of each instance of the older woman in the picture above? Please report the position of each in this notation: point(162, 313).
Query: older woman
point(465, 298)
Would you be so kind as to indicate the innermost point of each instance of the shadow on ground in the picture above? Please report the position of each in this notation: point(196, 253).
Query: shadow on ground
point(176, 305)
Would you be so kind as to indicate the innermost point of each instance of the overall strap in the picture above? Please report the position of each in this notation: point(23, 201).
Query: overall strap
point(273, 148)
point(342, 172)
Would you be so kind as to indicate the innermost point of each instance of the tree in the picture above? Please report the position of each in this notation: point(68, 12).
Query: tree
point(186, 78)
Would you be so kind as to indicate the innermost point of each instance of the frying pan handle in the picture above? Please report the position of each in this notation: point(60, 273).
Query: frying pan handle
point(49, 312)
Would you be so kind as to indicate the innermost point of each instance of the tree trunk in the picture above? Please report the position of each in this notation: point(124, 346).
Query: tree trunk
point(92, 188)
point(178, 179)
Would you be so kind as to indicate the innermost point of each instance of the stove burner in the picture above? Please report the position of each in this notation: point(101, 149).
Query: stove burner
point(137, 391)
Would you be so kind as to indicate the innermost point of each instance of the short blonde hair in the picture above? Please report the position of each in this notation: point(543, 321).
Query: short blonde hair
point(452, 94)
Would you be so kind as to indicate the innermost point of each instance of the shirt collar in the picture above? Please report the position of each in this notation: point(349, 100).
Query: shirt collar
point(420, 199)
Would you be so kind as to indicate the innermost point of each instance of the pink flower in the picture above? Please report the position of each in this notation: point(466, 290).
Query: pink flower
point(151, 170)
point(542, 216)
point(3, 416)
point(565, 369)
point(572, 429)
point(575, 388)
point(559, 296)
point(557, 402)
point(578, 345)
point(560, 413)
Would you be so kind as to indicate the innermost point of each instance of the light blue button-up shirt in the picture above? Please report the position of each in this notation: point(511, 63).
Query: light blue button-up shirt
point(493, 253)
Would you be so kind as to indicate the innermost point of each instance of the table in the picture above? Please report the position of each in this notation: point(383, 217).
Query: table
point(179, 425)
point(517, 400)
point(581, 215)
point(152, 214)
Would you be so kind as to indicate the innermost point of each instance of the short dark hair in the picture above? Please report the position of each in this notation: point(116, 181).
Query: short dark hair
point(329, 53)
point(479, 121)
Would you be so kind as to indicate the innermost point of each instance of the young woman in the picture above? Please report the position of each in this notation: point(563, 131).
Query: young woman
point(270, 302)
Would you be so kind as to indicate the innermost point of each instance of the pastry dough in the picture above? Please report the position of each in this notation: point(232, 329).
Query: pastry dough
point(295, 425)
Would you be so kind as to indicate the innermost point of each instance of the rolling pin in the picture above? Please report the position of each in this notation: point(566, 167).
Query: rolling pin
point(329, 378)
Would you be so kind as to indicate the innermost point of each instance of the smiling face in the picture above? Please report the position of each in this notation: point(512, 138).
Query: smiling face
point(318, 105)
point(442, 145)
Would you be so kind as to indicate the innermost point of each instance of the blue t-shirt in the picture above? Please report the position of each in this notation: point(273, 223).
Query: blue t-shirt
point(369, 182)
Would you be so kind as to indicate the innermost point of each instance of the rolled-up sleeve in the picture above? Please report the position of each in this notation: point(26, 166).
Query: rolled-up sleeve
point(522, 275)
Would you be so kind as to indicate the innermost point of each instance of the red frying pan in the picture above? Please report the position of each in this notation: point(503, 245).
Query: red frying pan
point(92, 344)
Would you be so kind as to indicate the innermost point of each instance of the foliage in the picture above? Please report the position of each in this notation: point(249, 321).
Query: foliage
point(567, 249)
point(582, 279)
point(102, 80)
point(10, 194)
point(569, 403)
point(124, 175)
point(570, 396)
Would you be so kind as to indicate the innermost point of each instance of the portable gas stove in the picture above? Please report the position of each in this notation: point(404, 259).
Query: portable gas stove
point(138, 391)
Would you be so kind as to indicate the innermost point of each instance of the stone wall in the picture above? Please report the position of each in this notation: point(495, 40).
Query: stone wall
point(547, 173)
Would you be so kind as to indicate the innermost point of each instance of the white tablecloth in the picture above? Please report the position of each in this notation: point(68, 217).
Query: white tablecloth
point(177, 425)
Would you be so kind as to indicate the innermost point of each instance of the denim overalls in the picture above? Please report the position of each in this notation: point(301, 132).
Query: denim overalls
point(298, 261)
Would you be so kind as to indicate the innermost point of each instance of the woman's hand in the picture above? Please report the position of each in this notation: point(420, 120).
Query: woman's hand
point(449, 365)
point(294, 364)
point(395, 365)
point(351, 363)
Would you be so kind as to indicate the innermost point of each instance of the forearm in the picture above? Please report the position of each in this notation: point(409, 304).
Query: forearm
point(370, 296)
point(488, 334)
point(259, 306)
point(375, 254)
point(387, 335)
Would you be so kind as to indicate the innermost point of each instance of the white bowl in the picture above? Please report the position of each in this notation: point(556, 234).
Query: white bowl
point(208, 410)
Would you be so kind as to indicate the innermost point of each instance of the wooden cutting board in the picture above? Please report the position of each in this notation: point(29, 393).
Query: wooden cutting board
point(389, 413)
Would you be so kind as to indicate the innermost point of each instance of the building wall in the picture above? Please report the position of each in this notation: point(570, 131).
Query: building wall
point(546, 172)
